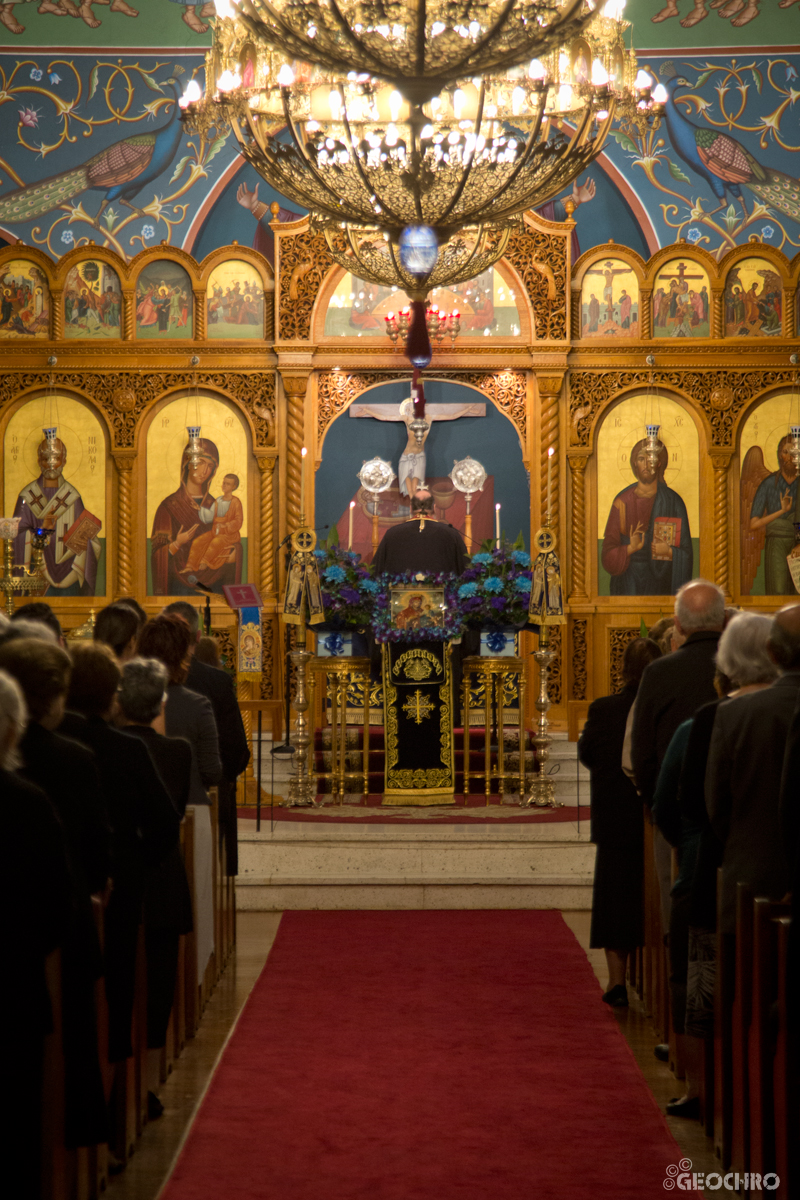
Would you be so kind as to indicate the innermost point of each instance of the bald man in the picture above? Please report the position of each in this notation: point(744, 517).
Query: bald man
point(743, 777)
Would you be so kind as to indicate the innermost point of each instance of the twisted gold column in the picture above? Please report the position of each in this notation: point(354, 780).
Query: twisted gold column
point(720, 462)
point(549, 391)
point(57, 307)
point(200, 316)
point(128, 316)
point(124, 525)
point(718, 314)
point(578, 468)
point(267, 528)
point(789, 305)
point(646, 314)
point(295, 388)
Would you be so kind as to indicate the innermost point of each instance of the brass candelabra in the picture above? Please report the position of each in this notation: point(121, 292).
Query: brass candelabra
point(31, 581)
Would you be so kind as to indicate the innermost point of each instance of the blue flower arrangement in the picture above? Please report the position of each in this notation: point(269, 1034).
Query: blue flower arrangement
point(346, 586)
point(495, 589)
point(382, 615)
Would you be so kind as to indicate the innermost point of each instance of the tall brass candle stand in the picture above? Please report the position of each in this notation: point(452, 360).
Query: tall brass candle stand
point(303, 782)
point(543, 792)
point(546, 609)
point(32, 581)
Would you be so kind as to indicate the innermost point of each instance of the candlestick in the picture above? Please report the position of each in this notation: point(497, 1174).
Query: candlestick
point(550, 453)
point(303, 454)
point(350, 531)
point(497, 525)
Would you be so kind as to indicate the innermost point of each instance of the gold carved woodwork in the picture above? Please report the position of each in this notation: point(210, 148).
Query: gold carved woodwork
point(720, 463)
point(124, 525)
point(304, 262)
point(267, 687)
point(579, 658)
point(125, 395)
point(540, 260)
point(556, 666)
point(295, 388)
point(549, 392)
point(618, 640)
point(719, 394)
point(577, 465)
point(267, 527)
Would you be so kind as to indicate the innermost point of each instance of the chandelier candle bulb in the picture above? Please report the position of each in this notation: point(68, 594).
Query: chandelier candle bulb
point(350, 527)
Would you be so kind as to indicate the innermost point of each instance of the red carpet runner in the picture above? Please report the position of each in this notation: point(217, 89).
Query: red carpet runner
point(426, 1056)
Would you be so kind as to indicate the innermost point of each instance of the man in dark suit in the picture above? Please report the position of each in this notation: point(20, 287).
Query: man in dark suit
point(218, 687)
point(743, 777)
point(671, 691)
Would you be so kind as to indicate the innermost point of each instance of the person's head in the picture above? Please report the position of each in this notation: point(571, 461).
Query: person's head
point(137, 608)
point(182, 608)
point(422, 501)
point(784, 637)
point(42, 670)
point(742, 653)
point(94, 680)
point(641, 466)
point(43, 454)
point(657, 631)
point(37, 610)
point(638, 654)
point(169, 639)
point(206, 651)
point(230, 483)
point(13, 719)
point(13, 631)
point(699, 607)
point(117, 626)
point(142, 690)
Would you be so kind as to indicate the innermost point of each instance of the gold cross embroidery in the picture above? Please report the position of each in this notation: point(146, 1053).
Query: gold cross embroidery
point(418, 706)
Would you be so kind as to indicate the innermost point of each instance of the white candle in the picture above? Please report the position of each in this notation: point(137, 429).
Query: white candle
point(550, 453)
point(303, 454)
point(497, 525)
point(350, 532)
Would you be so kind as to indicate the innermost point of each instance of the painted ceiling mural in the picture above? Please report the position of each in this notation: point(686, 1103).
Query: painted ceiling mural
point(98, 153)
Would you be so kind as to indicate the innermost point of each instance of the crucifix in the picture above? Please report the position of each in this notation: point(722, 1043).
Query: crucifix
point(608, 271)
point(418, 706)
point(411, 468)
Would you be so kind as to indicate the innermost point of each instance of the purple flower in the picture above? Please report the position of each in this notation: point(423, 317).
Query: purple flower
point(327, 600)
point(498, 602)
point(350, 595)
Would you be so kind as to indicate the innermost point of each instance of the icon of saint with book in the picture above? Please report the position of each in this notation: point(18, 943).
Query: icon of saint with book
point(647, 545)
point(52, 502)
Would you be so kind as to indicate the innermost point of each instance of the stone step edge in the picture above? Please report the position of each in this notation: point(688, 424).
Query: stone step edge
point(414, 881)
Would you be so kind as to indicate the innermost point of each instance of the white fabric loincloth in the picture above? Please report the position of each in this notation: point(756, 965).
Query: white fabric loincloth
point(410, 466)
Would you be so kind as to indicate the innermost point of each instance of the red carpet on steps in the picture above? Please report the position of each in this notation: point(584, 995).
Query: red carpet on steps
point(426, 1056)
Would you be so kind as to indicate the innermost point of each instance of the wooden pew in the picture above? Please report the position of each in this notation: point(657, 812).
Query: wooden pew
point(191, 994)
point(785, 1084)
point(741, 1012)
point(760, 1046)
point(723, 998)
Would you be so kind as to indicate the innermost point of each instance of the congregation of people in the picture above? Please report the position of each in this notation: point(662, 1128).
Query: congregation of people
point(104, 744)
point(695, 762)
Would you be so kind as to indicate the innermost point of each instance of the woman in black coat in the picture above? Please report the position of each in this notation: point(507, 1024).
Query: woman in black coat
point(617, 825)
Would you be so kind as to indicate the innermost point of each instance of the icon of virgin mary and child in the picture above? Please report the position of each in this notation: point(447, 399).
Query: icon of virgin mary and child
point(196, 536)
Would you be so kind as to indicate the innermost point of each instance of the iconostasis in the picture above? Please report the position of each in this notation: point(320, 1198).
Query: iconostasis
point(124, 357)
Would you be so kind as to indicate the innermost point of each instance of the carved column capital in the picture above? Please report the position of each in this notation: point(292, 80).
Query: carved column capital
point(550, 385)
point(721, 462)
point(267, 465)
point(294, 385)
point(124, 462)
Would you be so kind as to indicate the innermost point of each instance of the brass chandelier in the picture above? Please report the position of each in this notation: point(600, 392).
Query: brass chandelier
point(417, 115)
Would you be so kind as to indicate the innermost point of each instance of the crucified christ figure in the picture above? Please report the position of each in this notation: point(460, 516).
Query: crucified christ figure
point(411, 468)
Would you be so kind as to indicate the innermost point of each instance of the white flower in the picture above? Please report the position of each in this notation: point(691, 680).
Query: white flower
point(767, 232)
point(67, 236)
point(148, 232)
point(36, 73)
point(693, 234)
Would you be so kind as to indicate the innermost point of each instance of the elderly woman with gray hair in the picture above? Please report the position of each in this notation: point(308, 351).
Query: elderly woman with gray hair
point(36, 889)
point(743, 665)
point(167, 900)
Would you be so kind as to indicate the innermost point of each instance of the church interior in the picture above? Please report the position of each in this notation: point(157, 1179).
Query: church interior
point(440, 505)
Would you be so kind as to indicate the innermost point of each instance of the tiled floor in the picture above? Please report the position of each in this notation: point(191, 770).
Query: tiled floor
point(184, 1090)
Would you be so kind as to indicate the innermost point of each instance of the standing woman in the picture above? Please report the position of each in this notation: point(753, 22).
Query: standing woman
point(617, 825)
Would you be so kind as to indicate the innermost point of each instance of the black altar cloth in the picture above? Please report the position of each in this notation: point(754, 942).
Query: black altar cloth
point(418, 713)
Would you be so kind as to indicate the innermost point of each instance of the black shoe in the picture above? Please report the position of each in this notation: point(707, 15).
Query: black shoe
point(617, 997)
point(684, 1108)
point(154, 1107)
point(661, 1051)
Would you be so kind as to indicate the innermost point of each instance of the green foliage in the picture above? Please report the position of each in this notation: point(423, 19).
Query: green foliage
point(519, 544)
point(642, 628)
point(676, 173)
point(623, 140)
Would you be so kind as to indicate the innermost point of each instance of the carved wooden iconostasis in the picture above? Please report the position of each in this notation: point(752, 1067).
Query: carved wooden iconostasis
point(556, 352)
